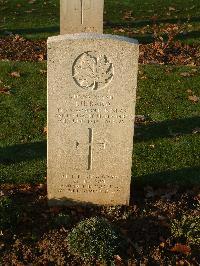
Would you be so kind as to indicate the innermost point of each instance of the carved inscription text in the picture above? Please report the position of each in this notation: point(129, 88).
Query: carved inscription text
point(90, 184)
point(84, 109)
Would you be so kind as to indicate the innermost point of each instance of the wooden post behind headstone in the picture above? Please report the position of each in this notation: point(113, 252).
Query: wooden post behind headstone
point(81, 16)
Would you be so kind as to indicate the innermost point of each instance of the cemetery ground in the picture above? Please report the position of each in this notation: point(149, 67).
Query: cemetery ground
point(165, 175)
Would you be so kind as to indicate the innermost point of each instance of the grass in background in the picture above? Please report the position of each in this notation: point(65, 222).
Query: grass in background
point(32, 19)
point(40, 19)
point(166, 146)
point(23, 118)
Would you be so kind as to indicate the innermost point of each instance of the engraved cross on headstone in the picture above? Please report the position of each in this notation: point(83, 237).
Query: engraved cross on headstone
point(84, 5)
point(91, 144)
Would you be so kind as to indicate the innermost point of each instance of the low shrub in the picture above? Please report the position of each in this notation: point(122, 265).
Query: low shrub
point(9, 214)
point(187, 228)
point(95, 238)
point(63, 219)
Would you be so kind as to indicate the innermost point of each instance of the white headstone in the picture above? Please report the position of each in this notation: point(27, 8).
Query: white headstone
point(81, 16)
point(92, 81)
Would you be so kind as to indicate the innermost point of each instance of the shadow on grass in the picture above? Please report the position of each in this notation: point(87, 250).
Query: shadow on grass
point(141, 23)
point(53, 29)
point(23, 152)
point(184, 178)
point(151, 131)
point(149, 38)
point(166, 129)
point(188, 35)
point(109, 24)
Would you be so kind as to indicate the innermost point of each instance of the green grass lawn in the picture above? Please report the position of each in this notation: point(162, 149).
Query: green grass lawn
point(23, 118)
point(166, 146)
point(40, 19)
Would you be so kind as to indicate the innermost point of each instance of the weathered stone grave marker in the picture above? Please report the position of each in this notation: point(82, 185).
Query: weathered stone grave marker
point(92, 81)
point(81, 16)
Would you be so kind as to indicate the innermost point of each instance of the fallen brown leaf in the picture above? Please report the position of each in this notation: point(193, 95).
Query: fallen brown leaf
point(4, 91)
point(128, 15)
point(193, 98)
point(17, 37)
point(152, 146)
point(43, 71)
point(140, 118)
point(117, 257)
point(171, 8)
point(144, 77)
point(185, 74)
point(121, 30)
point(196, 130)
point(15, 74)
point(194, 70)
point(40, 57)
point(45, 130)
point(189, 91)
point(180, 248)
point(180, 263)
point(162, 245)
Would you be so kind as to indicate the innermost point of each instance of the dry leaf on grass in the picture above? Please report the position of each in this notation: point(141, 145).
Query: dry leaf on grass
point(4, 91)
point(189, 91)
point(43, 71)
point(118, 260)
point(162, 245)
point(193, 98)
point(140, 118)
point(152, 146)
point(121, 30)
point(185, 74)
point(15, 74)
point(45, 130)
point(196, 130)
point(40, 57)
point(128, 14)
point(171, 8)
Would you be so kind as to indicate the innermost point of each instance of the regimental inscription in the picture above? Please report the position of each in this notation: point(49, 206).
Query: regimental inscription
point(90, 184)
point(92, 71)
point(87, 109)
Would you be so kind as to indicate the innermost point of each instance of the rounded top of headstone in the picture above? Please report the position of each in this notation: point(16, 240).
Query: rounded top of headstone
point(91, 36)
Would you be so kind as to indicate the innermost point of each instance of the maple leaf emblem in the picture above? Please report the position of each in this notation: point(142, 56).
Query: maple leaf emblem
point(92, 71)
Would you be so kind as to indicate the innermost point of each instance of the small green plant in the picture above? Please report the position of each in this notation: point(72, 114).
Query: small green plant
point(9, 214)
point(63, 219)
point(95, 238)
point(187, 228)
